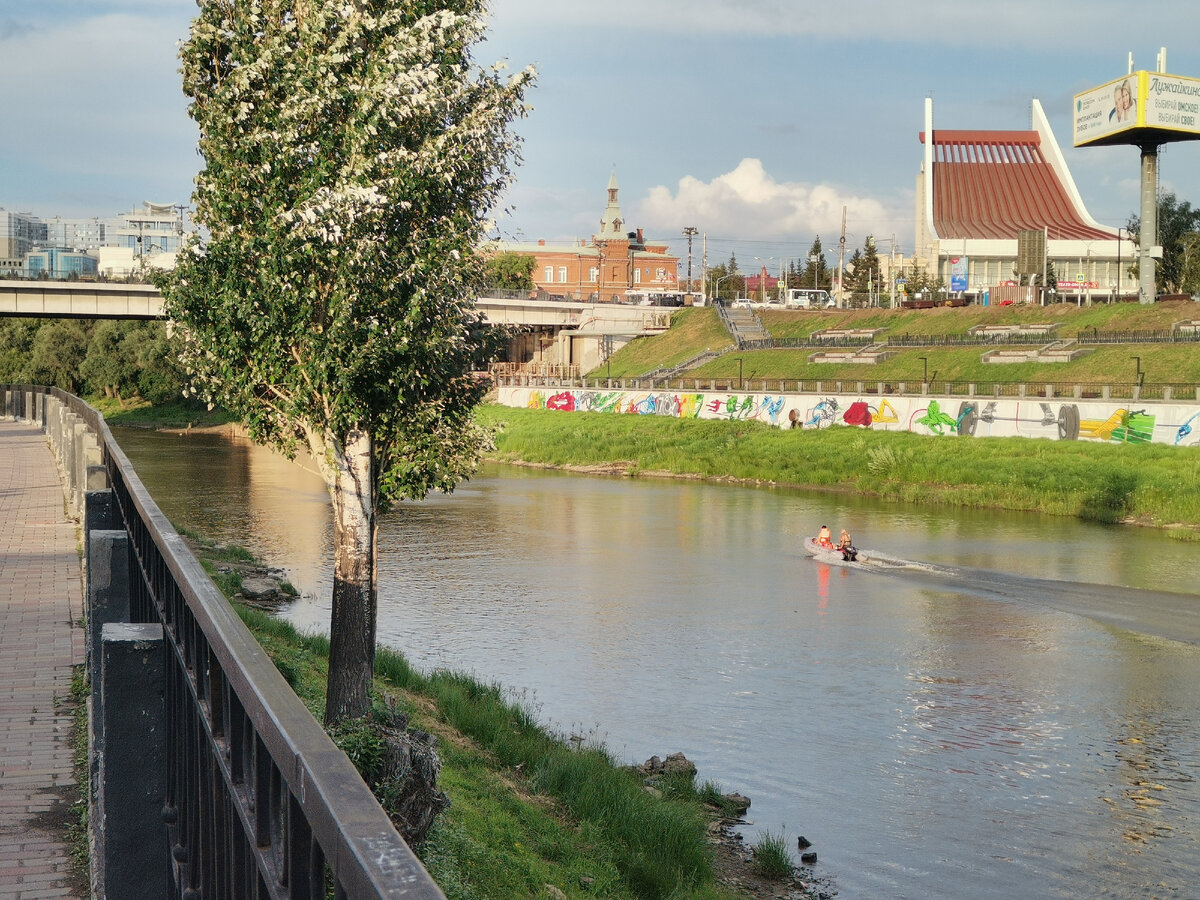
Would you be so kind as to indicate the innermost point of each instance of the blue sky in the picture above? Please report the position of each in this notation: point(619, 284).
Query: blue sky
point(754, 121)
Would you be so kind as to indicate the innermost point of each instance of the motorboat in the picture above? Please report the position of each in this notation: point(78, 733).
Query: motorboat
point(832, 554)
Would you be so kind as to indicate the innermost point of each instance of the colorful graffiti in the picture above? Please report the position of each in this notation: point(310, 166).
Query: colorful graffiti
point(936, 420)
point(824, 413)
point(1093, 421)
point(766, 408)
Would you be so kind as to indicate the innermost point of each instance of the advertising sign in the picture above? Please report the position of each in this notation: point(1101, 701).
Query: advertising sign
point(958, 273)
point(1109, 110)
point(1172, 103)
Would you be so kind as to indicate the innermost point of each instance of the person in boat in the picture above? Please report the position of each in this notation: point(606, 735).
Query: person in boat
point(849, 551)
point(825, 537)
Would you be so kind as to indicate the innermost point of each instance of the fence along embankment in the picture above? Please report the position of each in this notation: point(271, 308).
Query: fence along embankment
point(209, 776)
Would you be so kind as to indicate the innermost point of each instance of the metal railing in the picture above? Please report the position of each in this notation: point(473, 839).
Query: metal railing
point(259, 801)
point(1177, 392)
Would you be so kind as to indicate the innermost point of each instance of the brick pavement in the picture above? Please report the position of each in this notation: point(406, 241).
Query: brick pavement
point(41, 606)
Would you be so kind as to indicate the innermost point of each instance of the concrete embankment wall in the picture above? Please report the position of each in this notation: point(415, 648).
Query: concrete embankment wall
point(1134, 421)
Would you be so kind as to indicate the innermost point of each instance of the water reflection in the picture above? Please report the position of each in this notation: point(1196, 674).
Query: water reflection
point(960, 730)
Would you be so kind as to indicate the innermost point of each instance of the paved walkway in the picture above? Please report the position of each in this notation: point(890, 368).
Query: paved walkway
point(41, 607)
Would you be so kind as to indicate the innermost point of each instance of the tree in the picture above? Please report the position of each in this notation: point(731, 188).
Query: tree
point(816, 273)
point(1189, 272)
point(510, 271)
point(1176, 219)
point(107, 369)
point(352, 153)
point(866, 267)
point(57, 352)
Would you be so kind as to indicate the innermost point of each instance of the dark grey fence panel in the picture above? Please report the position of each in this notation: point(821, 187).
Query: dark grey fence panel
point(258, 800)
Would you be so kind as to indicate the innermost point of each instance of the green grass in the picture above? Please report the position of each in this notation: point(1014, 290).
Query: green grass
point(141, 414)
point(692, 332)
point(771, 856)
point(696, 330)
point(1152, 484)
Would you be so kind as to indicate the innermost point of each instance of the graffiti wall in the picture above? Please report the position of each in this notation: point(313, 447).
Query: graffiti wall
point(1065, 419)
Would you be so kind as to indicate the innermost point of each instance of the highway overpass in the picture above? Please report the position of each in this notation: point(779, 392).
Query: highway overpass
point(558, 332)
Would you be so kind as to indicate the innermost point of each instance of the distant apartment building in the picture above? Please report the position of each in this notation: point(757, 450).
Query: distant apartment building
point(57, 263)
point(154, 228)
point(19, 234)
point(77, 234)
point(615, 265)
point(146, 237)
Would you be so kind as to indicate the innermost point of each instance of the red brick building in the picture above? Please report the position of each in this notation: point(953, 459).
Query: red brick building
point(616, 265)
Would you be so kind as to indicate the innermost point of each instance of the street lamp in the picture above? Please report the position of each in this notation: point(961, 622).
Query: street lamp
point(717, 289)
point(762, 281)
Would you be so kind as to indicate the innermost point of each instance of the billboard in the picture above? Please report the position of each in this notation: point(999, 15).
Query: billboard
point(1171, 102)
point(958, 273)
point(1109, 110)
point(1141, 108)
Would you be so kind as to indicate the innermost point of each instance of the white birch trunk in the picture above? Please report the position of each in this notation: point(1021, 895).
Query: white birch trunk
point(349, 474)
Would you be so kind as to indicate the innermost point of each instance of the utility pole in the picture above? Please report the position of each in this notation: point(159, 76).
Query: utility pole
point(690, 232)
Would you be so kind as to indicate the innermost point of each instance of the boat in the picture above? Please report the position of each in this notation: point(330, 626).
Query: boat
point(831, 554)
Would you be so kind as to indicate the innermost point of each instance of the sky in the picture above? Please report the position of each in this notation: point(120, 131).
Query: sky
point(757, 122)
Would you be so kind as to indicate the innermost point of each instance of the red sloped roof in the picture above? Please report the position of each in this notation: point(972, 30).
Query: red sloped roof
point(994, 184)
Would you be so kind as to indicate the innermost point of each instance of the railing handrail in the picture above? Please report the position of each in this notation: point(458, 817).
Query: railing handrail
point(289, 800)
point(1149, 391)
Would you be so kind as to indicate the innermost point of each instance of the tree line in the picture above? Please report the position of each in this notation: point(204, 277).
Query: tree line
point(120, 359)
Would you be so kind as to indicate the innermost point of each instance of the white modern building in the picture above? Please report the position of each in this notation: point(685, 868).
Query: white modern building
point(981, 193)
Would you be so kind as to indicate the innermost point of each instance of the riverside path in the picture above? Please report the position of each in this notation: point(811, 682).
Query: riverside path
point(41, 605)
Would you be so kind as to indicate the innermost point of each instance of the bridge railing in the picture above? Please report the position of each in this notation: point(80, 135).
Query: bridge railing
point(257, 801)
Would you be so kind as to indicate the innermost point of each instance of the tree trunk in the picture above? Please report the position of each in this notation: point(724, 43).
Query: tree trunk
point(353, 619)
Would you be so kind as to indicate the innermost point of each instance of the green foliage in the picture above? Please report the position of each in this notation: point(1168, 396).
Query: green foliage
point(771, 856)
point(1177, 219)
point(118, 360)
point(56, 355)
point(1189, 272)
point(816, 273)
point(510, 271)
point(351, 158)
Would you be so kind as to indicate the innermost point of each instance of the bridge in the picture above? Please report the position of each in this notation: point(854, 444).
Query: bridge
point(561, 332)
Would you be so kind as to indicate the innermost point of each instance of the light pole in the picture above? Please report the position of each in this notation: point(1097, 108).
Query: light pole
point(762, 275)
point(690, 232)
point(717, 290)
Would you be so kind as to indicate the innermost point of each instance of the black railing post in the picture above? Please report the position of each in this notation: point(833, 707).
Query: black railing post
point(135, 859)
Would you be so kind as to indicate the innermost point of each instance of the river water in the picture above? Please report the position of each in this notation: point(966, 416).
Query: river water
point(1012, 712)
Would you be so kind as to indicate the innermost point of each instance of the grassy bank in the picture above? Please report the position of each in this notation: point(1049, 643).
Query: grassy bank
point(1146, 484)
point(531, 815)
point(695, 330)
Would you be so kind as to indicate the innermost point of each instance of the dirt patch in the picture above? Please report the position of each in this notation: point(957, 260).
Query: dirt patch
point(733, 861)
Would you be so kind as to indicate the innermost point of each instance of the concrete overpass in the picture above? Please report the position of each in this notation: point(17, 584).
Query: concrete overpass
point(552, 332)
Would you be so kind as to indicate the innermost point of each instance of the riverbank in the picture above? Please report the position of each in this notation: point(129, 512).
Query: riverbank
point(532, 814)
point(1135, 484)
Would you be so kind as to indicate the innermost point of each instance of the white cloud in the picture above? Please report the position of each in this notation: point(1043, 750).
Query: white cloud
point(749, 203)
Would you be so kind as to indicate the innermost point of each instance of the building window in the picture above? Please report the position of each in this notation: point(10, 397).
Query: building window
point(549, 279)
point(637, 276)
point(593, 273)
point(562, 274)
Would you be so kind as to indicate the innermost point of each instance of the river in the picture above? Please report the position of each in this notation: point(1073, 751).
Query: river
point(1013, 713)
